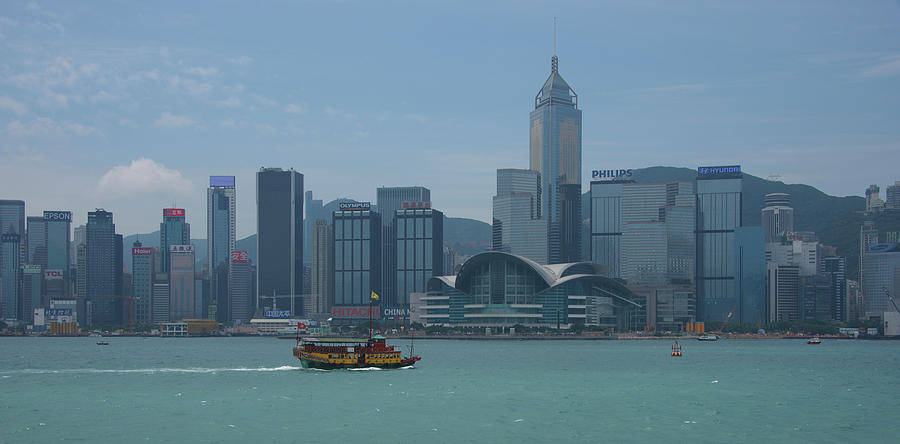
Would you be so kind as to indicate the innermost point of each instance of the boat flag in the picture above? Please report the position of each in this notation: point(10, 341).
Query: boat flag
point(374, 296)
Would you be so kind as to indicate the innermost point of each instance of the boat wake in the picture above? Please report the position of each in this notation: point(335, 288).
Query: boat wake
point(150, 370)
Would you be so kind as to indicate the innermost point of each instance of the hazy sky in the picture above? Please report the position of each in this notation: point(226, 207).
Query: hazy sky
point(130, 106)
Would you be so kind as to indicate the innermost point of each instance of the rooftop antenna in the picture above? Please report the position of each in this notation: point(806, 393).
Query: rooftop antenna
point(554, 35)
point(554, 61)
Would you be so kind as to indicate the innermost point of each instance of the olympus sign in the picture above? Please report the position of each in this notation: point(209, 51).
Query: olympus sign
point(611, 174)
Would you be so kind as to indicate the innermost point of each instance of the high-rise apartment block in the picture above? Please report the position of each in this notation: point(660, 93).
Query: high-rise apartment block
point(892, 198)
point(221, 215)
point(555, 153)
point(518, 227)
point(279, 240)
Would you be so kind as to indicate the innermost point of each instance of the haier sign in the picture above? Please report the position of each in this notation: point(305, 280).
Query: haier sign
point(611, 174)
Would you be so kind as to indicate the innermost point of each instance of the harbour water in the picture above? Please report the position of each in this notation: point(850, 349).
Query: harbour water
point(252, 390)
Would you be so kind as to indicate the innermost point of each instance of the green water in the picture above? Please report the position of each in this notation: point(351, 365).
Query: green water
point(253, 390)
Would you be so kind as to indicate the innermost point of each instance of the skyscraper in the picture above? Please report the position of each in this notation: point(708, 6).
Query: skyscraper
point(141, 282)
point(36, 241)
point(389, 200)
point(892, 200)
point(834, 269)
point(220, 243)
point(419, 244)
point(57, 270)
point(173, 231)
point(719, 203)
point(518, 227)
point(777, 216)
point(181, 282)
point(556, 155)
point(279, 241)
point(240, 288)
point(102, 267)
point(357, 254)
point(322, 272)
point(12, 240)
point(313, 211)
point(874, 203)
point(606, 224)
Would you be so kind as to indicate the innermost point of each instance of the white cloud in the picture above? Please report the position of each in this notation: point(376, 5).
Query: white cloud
point(231, 102)
point(143, 176)
point(192, 86)
point(262, 100)
point(168, 120)
point(888, 67)
point(294, 108)
point(202, 71)
point(46, 127)
point(242, 60)
point(334, 112)
point(13, 105)
point(416, 117)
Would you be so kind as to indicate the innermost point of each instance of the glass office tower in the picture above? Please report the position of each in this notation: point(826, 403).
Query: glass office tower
point(357, 254)
point(220, 243)
point(389, 200)
point(141, 282)
point(279, 241)
point(555, 145)
point(606, 225)
point(719, 201)
point(173, 230)
point(12, 254)
point(103, 263)
point(419, 245)
point(517, 224)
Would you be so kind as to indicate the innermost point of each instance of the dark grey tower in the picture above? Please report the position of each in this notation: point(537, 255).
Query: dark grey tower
point(279, 241)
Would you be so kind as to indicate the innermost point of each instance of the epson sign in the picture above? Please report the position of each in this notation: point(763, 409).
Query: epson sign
point(65, 216)
point(611, 174)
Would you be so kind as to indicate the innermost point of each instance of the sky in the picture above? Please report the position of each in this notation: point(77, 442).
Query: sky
point(130, 106)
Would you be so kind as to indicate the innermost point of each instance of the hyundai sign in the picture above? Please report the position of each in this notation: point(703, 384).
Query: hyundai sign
point(611, 174)
point(350, 206)
point(719, 171)
point(65, 216)
point(173, 212)
point(278, 314)
point(221, 181)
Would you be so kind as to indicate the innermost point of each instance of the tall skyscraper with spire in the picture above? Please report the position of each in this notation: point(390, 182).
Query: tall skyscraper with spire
point(556, 155)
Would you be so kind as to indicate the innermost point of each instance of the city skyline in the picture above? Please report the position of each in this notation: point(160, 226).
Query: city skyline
point(134, 117)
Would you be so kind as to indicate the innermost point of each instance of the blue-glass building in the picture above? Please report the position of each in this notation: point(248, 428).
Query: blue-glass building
point(750, 275)
point(719, 200)
point(357, 254)
point(389, 200)
point(495, 289)
point(173, 230)
point(518, 227)
point(141, 282)
point(555, 152)
point(419, 244)
point(220, 243)
point(279, 240)
point(104, 269)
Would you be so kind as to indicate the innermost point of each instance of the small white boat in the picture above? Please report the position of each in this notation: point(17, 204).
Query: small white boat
point(814, 341)
point(708, 338)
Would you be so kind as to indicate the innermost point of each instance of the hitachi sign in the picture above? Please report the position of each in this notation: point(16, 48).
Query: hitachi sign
point(611, 174)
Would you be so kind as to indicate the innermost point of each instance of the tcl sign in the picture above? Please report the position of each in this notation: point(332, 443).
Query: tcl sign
point(53, 274)
point(240, 256)
point(141, 251)
point(173, 212)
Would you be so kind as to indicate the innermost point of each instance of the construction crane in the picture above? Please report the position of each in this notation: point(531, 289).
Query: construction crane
point(890, 298)
point(727, 318)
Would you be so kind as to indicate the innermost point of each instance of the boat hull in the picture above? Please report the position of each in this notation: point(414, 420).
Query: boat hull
point(308, 363)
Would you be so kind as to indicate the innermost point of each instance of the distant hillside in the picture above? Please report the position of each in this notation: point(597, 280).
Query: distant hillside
point(467, 236)
point(836, 220)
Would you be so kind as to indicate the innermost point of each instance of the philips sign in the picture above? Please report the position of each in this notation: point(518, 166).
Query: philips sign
point(65, 216)
point(611, 174)
point(350, 206)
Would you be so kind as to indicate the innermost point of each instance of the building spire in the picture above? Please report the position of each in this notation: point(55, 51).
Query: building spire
point(554, 61)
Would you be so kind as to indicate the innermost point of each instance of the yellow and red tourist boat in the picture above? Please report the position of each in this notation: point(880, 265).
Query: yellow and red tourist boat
point(334, 353)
